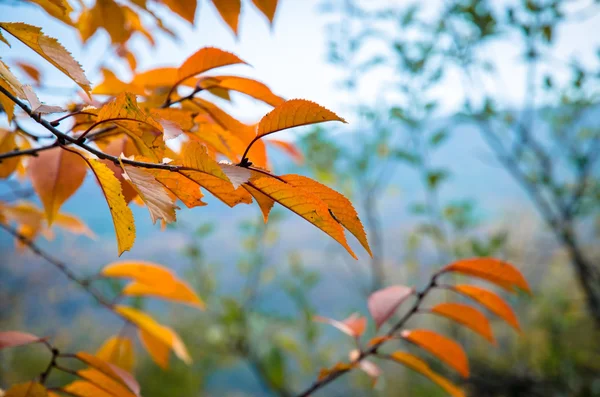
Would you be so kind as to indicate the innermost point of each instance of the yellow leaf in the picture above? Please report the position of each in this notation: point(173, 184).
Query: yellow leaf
point(112, 85)
point(304, 203)
point(160, 332)
point(55, 175)
point(294, 113)
point(81, 388)
point(342, 209)
point(109, 15)
point(494, 270)
point(152, 193)
point(59, 9)
point(229, 11)
point(120, 212)
point(104, 382)
point(183, 118)
point(11, 81)
point(205, 59)
point(491, 301)
point(265, 203)
point(2, 39)
point(156, 78)
point(176, 290)
point(184, 8)
point(420, 366)
point(7, 104)
point(119, 146)
point(118, 351)
point(442, 347)
point(7, 144)
point(141, 127)
point(73, 224)
point(152, 280)
point(267, 7)
point(467, 316)
point(158, 350)
point(49, 49)
point(28, 389)
point(112, 371)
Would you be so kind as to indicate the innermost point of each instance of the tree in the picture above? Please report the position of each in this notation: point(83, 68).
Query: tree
point(122, 142)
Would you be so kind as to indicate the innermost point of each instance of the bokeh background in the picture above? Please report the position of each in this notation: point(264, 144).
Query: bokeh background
point(473, 131)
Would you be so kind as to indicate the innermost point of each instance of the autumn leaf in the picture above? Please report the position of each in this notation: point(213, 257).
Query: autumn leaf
point(181, 186)
point(2, 39)
point(50, 50)
point(31, 71)
point(265, 203)
point(467, 316)
point(267, 7)
point(421, 367)
point(8, 144)
point(120, 212)
point(55, 175)
point(28, 389)
point(5, 102)
point(59, 9)
point(160, 333)
point(339, 367)
point(105, 382)
point(206, 59)
point(152, 279)
point(490, 301)
point(115, 148)
point(250, 87)
point(152, 193)
point(111, 371)
point(442, 347)
point(37, 106)
point(309, 206)
point(384, 303)
point(294, 113)
point(73, 224)
point(81, 388)
point(342, 209)
point(118, 351)
point(184, 8)
point(11, 81)
point(289, 148)
point(353, 326)
point(17, 338)
point(230, 12)
point(494, 270)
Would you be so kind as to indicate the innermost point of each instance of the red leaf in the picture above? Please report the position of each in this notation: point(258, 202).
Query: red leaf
point(16, 338)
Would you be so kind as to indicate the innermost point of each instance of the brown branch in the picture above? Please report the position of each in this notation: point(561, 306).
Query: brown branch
point(61, 266)
point(373, 350)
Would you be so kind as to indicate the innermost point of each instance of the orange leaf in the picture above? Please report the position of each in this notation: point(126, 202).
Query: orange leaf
point(309, 206)
point(111, 371)
point(294, 113)
point(496, 271)
point(288, 147)
point(55, 175)
point(8, 144)
point(354, 325)
point(118, 351)
point(205, 59)
point(115, 148)
point(420, 366)
point(339, 367)
point(342, 209)
point(229, 11)
point(49, 49)
point(160, 332)
point(81, 388)
point(184, 8)
point(265, 203)
point(7, 104)
point(16, 338)
point(245, 85)
point(175, 290)
point(442, 347)
point(384, 303)
point(28, 389)
point(467, 316)
point(105, 382)
point(267, 7)
point(491, 301)
point(73, 224)
point(181, 186)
